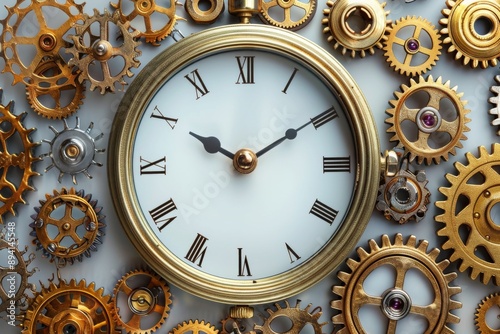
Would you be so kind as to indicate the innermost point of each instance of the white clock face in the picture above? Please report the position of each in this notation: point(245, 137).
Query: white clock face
point(220, 220)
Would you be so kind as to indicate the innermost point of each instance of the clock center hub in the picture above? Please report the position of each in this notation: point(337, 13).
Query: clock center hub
point(245, 161)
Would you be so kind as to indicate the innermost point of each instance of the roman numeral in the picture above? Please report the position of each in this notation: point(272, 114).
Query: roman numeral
point(158, 214)
point(336, 164)
point(246, 67)
point(170, 121)
point(291, 253)
point(243, 267)
point(324, 117)
point(295, 70)
point(197, 250)
point(323, 212)
point(154, 167)
point(195, 79)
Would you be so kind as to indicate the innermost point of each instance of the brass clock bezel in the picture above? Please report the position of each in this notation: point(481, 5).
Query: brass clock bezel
point(120, 152)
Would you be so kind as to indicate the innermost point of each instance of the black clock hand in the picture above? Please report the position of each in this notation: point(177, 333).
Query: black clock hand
point(212, 145)
point(289, 134)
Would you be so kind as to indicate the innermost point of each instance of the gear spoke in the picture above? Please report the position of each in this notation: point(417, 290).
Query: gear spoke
point(391, 326)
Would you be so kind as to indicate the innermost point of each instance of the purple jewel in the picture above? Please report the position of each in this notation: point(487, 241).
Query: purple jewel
point(428, 120)
point(396, 304)
point(412, 45)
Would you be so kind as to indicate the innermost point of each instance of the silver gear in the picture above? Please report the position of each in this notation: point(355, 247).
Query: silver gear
point(495, 100)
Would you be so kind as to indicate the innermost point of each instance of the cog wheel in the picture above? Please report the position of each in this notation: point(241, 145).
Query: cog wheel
point(287, 14)
point(417, 57)
point(147, 296)
point(194, 327)
point(299, 318)
point(12, 131)
point(475, 47)
point(435, 128)
point(141, 18)
point(495, 100)
point(78, 222)
point(469, 227)
point(395, 303)
point(354, 39)
point(47, 41)
point(90, 49)
point(491, 301)
point(73, 150)
point(70, 307)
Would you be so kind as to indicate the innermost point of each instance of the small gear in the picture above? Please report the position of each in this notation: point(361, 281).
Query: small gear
point(475, 47)
point(13, 159)
point(288, 14)
point(145, 10)
point(493, 300)
point(495, 100)
point(70, 307)
point(73, 150)
point(395, 303)
point(356, 39)
point(299, 318)
point(469, 227)
point(67, 226)
point(417, 57)
point(89, 50)
point(194, 327)
point(431, 128)
point(202, 15)
point(147, 296)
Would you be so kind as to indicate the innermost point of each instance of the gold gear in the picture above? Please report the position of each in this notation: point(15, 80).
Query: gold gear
point(70, 307)
point(194, 327)
point(341, 34)
point(465, 41)
point(437, 132)
point(144, 9)
point(469, 228)
point(287, 10)
point(100, 50)
point(11, 130)
point(79, 229)
point(147, 295)
point(395, 303)
point(413, 46)
point(493, 300)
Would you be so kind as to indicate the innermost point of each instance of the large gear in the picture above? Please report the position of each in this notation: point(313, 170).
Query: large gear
point(476, 48)
point(352, 39)
point(194, 327)
point(288, 14)
point(70, 307)
point(147, 296)
point(493, 300)
point(430, 131)
point(417, 57)
point(469, 227)
point(396, 303)
point(495, 100)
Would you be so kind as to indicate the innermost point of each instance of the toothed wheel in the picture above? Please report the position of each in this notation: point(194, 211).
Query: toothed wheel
point(396, 302)
point(288, 14)
point(194, 327)
point(495, 100)
point(493, 300)
point(469, 227)
point(435, 127)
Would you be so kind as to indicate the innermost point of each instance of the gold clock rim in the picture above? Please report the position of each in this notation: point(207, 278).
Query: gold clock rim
point(120, 151)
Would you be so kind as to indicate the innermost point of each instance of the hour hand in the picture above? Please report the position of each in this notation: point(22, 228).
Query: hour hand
point(212, 145)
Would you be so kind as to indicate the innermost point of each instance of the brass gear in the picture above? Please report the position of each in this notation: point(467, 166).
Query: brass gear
point(70, 307)
point(491, 301)
point(465, 41)
point(468, 226)
point(299, 318)
point(281, 13)
point(79, 229)
point(90, 49)
point(12, 130)
point(147, 295)
point(395, 303)
point(413, 46)
point(354, 39)
point(495, 100)
point(194, 327)
point(143, 9)
point(438, 133)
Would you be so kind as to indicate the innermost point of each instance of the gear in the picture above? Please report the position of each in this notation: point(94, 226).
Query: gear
point(298, 318)
point(469, 227)
point(431, 131)
point(78, 221)
point(89, 49)
point(73, 150)
point(288, 14)
point(493, 300)
point(195, 327)
point(495, 100)
point(12, 131)
point(202, 15)
point(147, 295)
point(417, 57)
point(143, 10)
point(476, 48)
point(395, 303)
point(70, 307)
point(355, 39)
